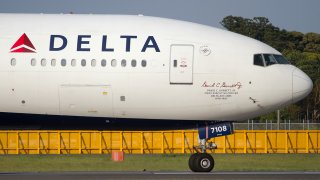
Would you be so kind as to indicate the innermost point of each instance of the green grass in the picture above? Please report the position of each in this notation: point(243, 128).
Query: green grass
point(223, 162)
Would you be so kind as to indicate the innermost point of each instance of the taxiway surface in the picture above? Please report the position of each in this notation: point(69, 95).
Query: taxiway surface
point(159, 175)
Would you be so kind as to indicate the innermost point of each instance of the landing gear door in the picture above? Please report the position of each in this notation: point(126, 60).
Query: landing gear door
point(181, 64)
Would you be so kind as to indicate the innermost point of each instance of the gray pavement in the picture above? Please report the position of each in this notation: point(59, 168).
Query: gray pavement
point(159, 175)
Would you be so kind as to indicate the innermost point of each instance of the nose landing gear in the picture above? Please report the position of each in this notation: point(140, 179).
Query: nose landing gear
point(201, 161)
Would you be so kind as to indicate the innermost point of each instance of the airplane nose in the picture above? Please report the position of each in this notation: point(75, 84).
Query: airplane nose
point(301, 85)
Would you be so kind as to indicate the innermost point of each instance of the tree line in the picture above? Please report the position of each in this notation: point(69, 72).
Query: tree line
point(302, 50)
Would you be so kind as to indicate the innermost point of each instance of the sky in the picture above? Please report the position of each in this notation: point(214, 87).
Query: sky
point(292, 15)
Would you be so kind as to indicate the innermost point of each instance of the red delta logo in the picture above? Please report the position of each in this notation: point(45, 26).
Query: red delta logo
point(23, 45)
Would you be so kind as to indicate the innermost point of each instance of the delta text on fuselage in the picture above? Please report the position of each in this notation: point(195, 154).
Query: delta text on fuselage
point(60, 42)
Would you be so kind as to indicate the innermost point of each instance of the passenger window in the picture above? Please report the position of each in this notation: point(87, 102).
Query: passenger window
point(53, 62)
point(73, 62)
point(133, 63)
point(123, 63)
point(33, 62)
point(258, 60)
point(13, 62)
point(63, 62)
point(43, 62)
point(83, 62)
point(269, 59)
point(103, 63)
point(143, 63)
point(93, 63)
point(114, 63)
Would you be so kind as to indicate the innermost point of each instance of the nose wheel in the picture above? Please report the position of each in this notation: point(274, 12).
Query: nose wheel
point(201, 162)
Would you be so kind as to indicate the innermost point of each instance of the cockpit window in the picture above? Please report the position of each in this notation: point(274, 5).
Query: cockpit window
point(269, 59)
point(258, 60)
point(280, 59)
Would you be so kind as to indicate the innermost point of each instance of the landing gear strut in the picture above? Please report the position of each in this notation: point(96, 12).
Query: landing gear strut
point(202, 161)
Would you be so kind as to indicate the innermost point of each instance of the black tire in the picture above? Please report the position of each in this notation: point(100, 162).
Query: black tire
point(203, 162)
point(191, 162)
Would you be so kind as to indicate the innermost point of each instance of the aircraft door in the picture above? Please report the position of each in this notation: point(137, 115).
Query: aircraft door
point(181, 64)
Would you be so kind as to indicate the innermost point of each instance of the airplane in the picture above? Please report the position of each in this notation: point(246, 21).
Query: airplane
point(135, 72)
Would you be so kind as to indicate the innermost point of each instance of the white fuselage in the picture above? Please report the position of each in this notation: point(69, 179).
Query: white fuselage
point(183, 71)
